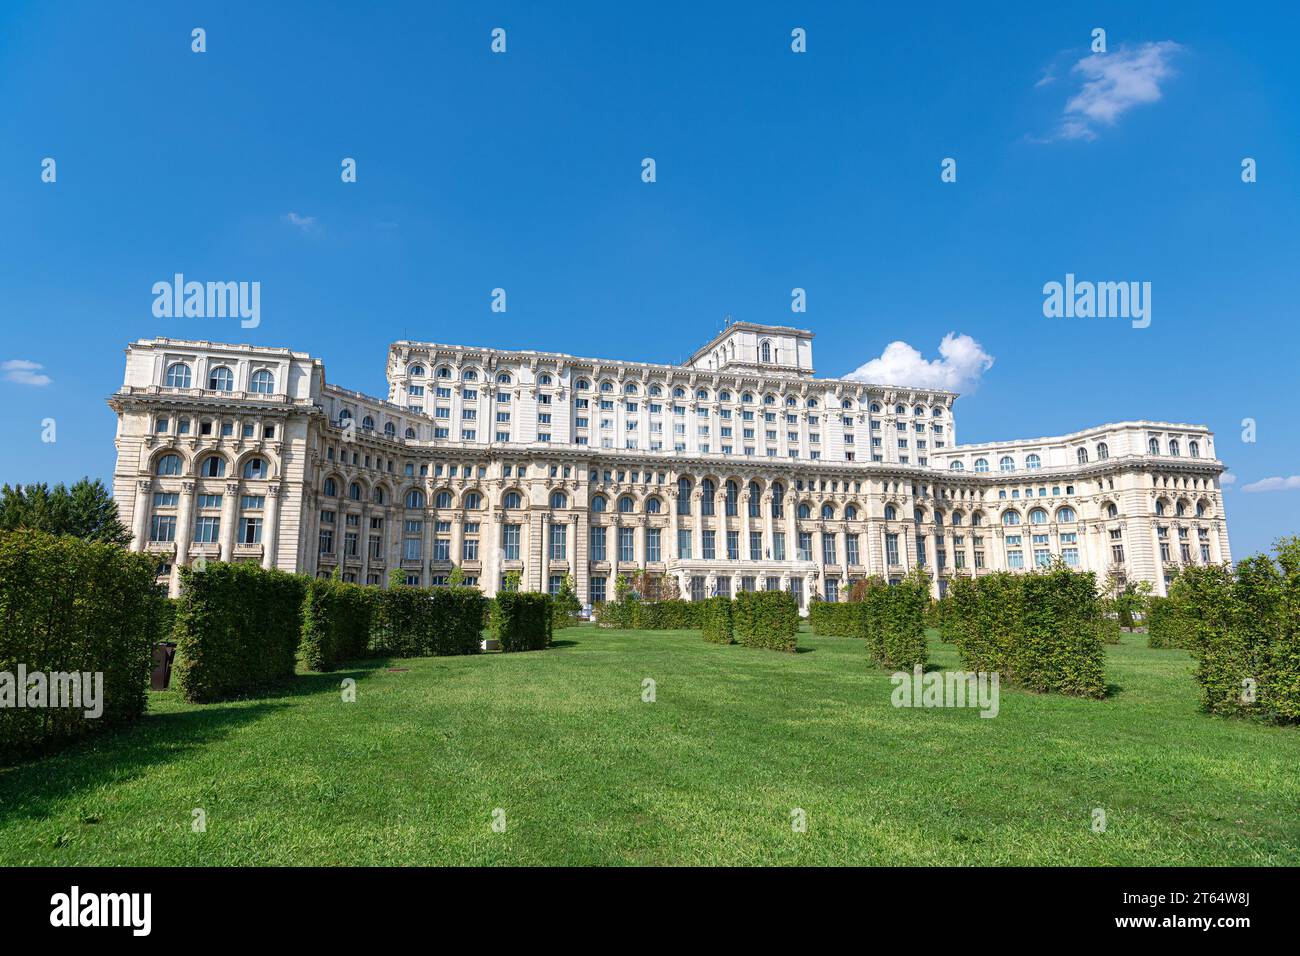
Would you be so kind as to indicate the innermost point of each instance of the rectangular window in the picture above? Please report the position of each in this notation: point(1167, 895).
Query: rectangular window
point(756, 546)
point(697, 588)
point(891, 550)
point(250, 530)
point(832, 589)
point(684, 544)
point(828, 548)
point(652, 552)
point(598, 552)
point(559, 543)
point(778, 546)
point(412, 549)
point(852, 542)
point(469, 549)
point(805, 545)
point(207, 528)
point(626, 545)
point(598, 589)
point(326, 540)
point(162, 528)
point(441, 549)
point(707, 547)
point(555, 583)
point(733, 545)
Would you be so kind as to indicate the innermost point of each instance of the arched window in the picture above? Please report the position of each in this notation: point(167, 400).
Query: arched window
point(262, 382)
point(977, 519)
point(1010, 517)
point(443, 372)
point(875, 408)
point(1112, 511)
point(755, 495)
point(653, 506)
point(1153, 446)
point(354, 491)
point(956, 466)
point(583, 385)
point(1065, 515)
point(765, 351)
point(732, 498)
point(443, 500)
point(683, 496)
point(804, 511)
point(1201, 509)
point(416, 369)
point(1006, 463)
point(981, 465)
point(629, 388)
point(1180, 509)
point(707, 496)
point(679, 392)
point(1103, 451)
point(1082, 456)
point(702, 394)
point(607, 386)
point(168, 465)
point(937, 412)
point(345, 416)
point(469, 375)
point(891, 513)
point(368, 424)
point(559, 500)
point(255, 468)
point(957, 517)
point(625, 505)
point(598, 504)
point(415, 498)
point(377, 495)
point(503, 378)
point(778, 500)
point(331, 489)
point(851, 513)
point(473, 501)
point(1038, 516)
point(221, 379)
point(214, 466)
point(1173, 447)
point(1194, 449)
point(828, 511)
point(513, 500)
point(178, 375)
point(390, 430)
point(1032, 462)
point(410, 434)
point(1160, 508)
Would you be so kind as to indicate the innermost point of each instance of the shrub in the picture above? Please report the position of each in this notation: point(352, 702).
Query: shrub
point(614, 614)
point(1041, 630)
point(899, 612)
point(1233, 624)
point(523, 620)
point(566, 605)
point(73, 606)
point(633, 614)
point(835, 620)
point(716, 620)
point(426, 622)
point(1165, 627)
point(238, 627)
point(767, 619)
point(336, 622)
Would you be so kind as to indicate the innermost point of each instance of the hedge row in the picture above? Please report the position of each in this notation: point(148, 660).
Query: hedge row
point(631, 614)
point(426, 622)
point(523, 621)
point(336, 622)
point(1244, 628)
point(893, 618)
point(1041, 630)
point(768, 619)
point(71, 606)
point(715, 621)
point(830, 619)
point(238, 627)
point(1165, 624)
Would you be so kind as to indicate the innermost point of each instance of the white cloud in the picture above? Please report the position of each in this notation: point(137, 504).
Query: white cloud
point(1227, 478)
point(1113, 83)
point(961, 363)
point(305, 223)
point(24, 372)
point(1290, 483)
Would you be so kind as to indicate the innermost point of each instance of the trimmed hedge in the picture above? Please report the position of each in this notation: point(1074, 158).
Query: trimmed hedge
point(523, 620)
point(1040, 630)
point(238, 627)
point(835, 620)
point(893, 621)
point(336, 620)
point(768, 619)
point(716, 621)
point(1165, 626)
point(427, 622)
point(68, 605)
point(631, 614)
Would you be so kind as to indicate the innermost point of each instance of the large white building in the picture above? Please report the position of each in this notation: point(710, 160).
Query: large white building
point(739, 469)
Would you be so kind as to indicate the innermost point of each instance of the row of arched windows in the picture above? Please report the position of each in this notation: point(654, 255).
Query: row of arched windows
point(213, 466)
point(221, 379)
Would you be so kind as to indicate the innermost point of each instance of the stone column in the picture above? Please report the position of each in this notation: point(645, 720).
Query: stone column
point(229, 514)
point(271, 526)
point(184, 530)
point(140, 518)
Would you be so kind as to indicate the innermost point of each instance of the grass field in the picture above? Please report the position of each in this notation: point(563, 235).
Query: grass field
point(588, 773)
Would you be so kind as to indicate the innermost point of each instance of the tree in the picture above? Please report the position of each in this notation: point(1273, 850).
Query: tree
point(86, 511)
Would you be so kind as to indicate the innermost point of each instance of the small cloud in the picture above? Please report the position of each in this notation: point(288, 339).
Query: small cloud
point(24, 372)
point(1290, 483)
point(961, 363)
point(1114, 83)
point(306, 223)
point(1227, 478)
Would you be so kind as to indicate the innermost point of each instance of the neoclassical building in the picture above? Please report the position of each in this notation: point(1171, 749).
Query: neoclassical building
point(738, 469)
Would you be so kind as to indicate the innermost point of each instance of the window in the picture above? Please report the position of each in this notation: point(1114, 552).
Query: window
point(778, 503)
point(891, 550)
point(214, 466)
point(178, 375)
point(513, 500)
point(625, 505)
point(415, 498)
point(1007, 463)
point(559, 500)
point(626, 545)
point(981, 465)
point(250, 530)
point(168, 465)
point(221, 379)
point(1103, 451)
point(207, 529)
point(559, 539)
point(1194, 449)
point(891, 513)
point(684, 544)
point(1153, 446)
point(1038, 516)
point(956, 466)
point(262, 382)
point(1033, 462)
point(1010, 517)
point(597, 550)
point(162, 528)
point(510, 541)
point(255, 468)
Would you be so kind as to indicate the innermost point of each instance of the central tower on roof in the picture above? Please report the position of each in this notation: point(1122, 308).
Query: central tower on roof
point(748, 347)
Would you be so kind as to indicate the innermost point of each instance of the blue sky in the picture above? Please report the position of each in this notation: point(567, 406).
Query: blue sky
point(775, 170)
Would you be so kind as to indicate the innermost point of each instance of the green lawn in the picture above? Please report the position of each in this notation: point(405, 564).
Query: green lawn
point(587, 773)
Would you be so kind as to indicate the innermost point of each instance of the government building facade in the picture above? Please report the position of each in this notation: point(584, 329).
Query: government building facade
point(736, 470)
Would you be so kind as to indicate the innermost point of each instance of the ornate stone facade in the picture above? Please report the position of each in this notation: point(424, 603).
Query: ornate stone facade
point(737, 469)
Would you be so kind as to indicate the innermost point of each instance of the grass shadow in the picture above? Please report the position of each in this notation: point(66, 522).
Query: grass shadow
point(33, 787)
